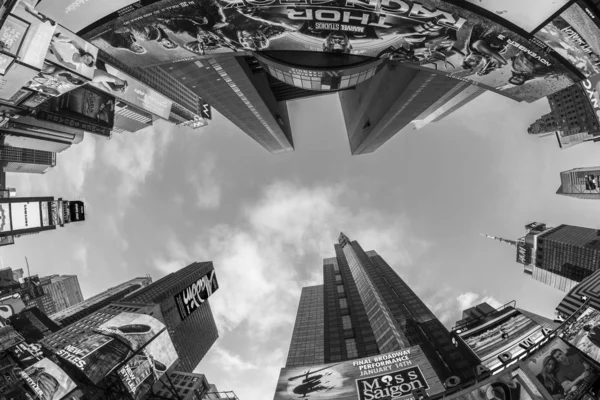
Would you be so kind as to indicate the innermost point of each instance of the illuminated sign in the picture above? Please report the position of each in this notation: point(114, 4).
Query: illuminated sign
point(194, 295)
point(524, 253)
point(591, 89)
point(436, 35)
point(25, 215)
point(390, 375)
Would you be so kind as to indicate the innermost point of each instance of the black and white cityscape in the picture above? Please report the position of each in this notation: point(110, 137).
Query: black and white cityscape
point(286, 199)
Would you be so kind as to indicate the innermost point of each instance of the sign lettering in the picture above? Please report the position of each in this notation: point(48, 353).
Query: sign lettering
point(194, 295)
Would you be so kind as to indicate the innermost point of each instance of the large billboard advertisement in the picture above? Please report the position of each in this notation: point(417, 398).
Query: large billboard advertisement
point(509, 385)
point(591, 87)
point(575, 37)
point(124, 87)
point(47, 380)
point(392, 375)
point(503, 339)
point(10, 305)
point(25, 215)
point(5, 225)
point(526, 15)
point(562, 370)
point(103, 351)
point(70, 51)
point(189, 299)
point(584, 333)
point(432, 34)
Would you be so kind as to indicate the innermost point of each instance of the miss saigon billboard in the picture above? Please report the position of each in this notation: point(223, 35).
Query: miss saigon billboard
point(429, 34)
point(395, 375)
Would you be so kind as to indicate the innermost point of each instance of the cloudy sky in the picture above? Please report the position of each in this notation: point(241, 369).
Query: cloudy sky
point(164, 197)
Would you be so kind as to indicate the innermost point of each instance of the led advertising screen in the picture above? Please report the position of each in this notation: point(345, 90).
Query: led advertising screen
point(45, 214)
point(54, 80)
point(591, 86)
point(562, 371)
point(189, 299)
point(26, 354)
point(124, 87)
point(577, 41)
point(36, 40)
point(502, 339)
point(25, 215)
point(76, 15)
point(104, 350)
point(527, 15)
point(584, 333)
point(5, 225)
point(47, 380)
point(72, 52)
point(513, 385)
point(432, 34)
point(397, 375)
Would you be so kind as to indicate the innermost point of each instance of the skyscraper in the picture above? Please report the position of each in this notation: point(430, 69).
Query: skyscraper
point(581, 183)
point(86, 307)
point(63, 289)
point(560, 257)
point(17, 159)
point(192, 326)
point(363, 309)
point(452, 101)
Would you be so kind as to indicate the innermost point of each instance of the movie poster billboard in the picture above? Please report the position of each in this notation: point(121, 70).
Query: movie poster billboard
point(503, 339)
point(510, 384)
point(25, 215)
point(576, 42)
point(526, 15)
point(433, 34)
point(130, 90)
point(76, 15)
point(562, 371)
point(397, 374)
point(103, 351)
point(189, 299)
point(47, 380)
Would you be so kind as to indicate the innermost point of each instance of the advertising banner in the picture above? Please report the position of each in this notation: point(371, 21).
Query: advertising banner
point(26, 354)
point(39, 31)
point(124, 87)
point(562, 370)
point(391, 375)
point(33, 324)
point(45, 214)
point(76, 15)
point(54, 80)
point(584, 333)
point(528, 15)
point(77, 211)
point(11, 305)
point(5, 225)
point(433, 34)
point(72, 52)
point(591, 86)
point(100, 352)
point(509, 385)
point(578, 43)
point(25, 215)
point(47, 380)
point(189, 299)
point(503, 339)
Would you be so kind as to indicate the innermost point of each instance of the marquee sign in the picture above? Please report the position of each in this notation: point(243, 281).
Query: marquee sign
point(189, 299)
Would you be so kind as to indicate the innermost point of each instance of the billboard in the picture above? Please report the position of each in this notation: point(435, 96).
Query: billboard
point(524, 252)
point(396, 374)
point(431, 34)
point(503, 339)
point(124, 87)
point(77, 211)
point(72, 52)
point(591, 87)
point(103, 351)
point(47, 380)
point(507, 385)
point(584, 333)
point(25, 215)
point(562, 371)
point(76, 15)
point(8, 338)
point(54, 80)
point(33, 324)
point(11, 305)
point(189, 299)
point(577, 41)
point(526, 15)
point(26, 354)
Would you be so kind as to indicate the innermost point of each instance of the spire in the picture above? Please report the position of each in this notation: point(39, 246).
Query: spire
point(343, 239)
point(511, 242)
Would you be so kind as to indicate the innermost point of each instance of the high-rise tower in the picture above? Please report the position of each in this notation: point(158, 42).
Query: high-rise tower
point(363, 309)
point(560, 257)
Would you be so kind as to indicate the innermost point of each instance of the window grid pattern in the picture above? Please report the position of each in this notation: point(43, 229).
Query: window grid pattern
point(319, 80)
point(307, 345)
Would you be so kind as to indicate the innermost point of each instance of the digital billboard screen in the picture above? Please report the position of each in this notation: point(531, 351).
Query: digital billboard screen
point(432, 34)
point(137, 339)
point(584, 333)
point(5, 225)
point(25, 215)
point(47, 380)
point(507, 385)
point(72, 52)
point(575, 37)
point(189, 299)
point(562, 371)
point(591, 87)
point(392, 375)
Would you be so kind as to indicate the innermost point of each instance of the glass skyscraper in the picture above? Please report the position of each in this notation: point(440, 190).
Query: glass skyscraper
point(363, 309)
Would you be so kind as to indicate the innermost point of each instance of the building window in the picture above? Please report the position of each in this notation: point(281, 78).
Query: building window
point(343, 303)
point(340, 289)
point(351, 350)
point(346, 322)
point(338, 278)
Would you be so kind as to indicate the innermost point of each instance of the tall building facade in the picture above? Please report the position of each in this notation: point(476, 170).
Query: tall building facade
point(181, 386)
point(17, 159)
point(560, 256)
point(571, 113)
point(31, 133)
point(367, 309)
point(581, 183)
point(63, 289)
point(193, 334)
point(82, 309)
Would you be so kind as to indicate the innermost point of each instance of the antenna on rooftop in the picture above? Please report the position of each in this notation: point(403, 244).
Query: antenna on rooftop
point(28, 273)
point(511, 242)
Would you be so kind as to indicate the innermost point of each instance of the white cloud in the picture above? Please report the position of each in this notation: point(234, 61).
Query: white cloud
point(230, 362)
point(80, 255)
point(208, 190)
point(73, 164)
point(470, 299)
